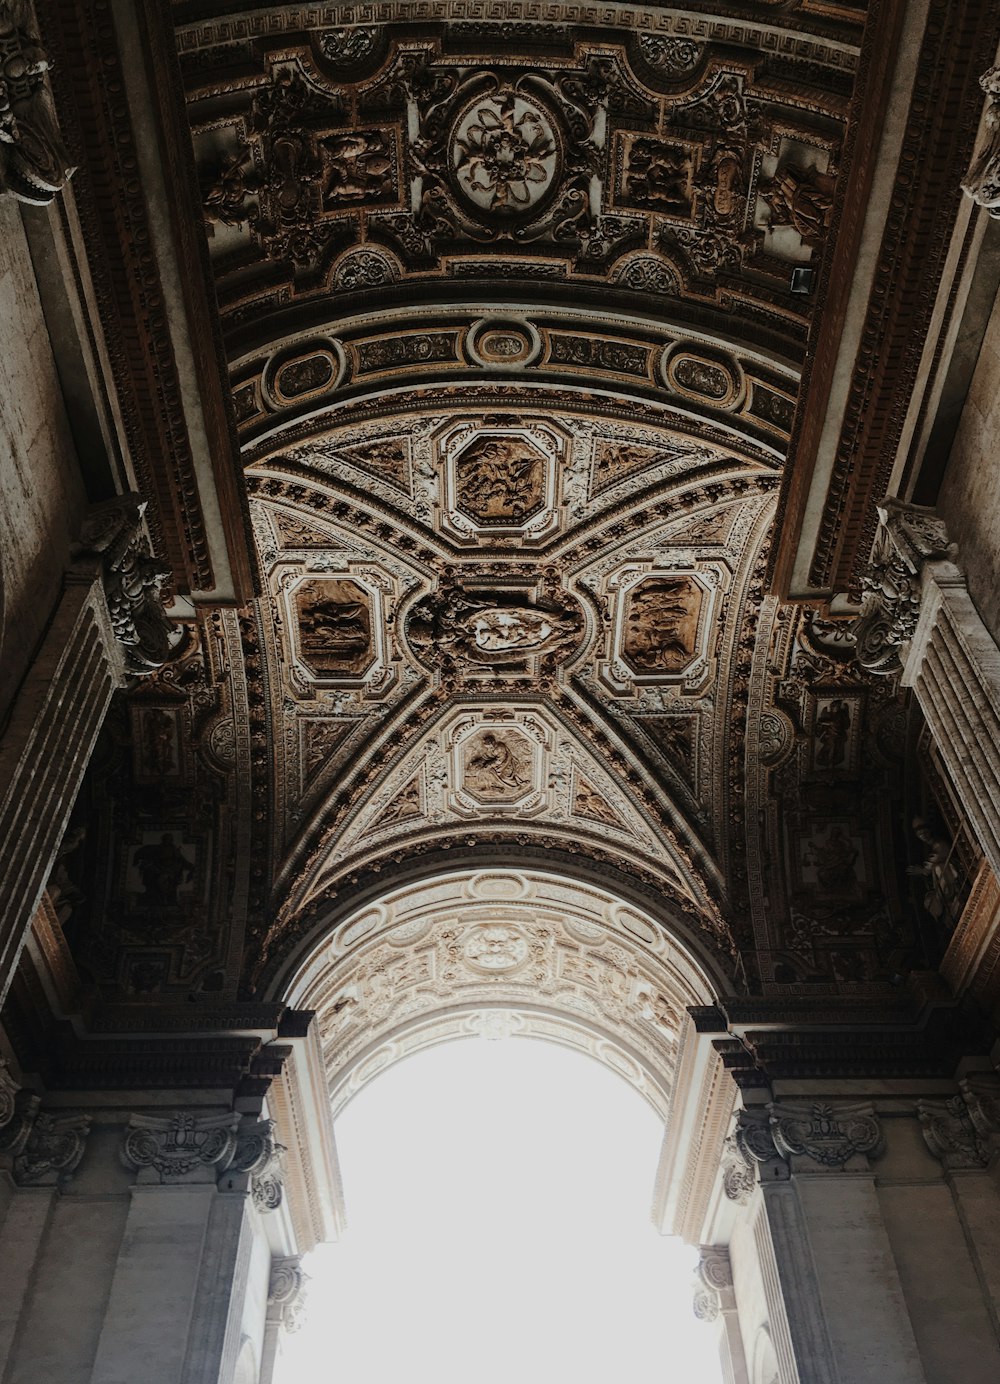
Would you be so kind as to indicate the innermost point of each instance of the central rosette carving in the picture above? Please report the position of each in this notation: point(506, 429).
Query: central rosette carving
point(504, 153)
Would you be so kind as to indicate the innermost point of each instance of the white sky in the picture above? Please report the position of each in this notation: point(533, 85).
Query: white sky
point(498, 1200)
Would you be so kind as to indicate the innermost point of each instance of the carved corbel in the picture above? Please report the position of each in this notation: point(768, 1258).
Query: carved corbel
point(982, 181)
point(830, 1135)
point(180, 1147)
point(287, 1292)
point(113, 534)
point(34, 165)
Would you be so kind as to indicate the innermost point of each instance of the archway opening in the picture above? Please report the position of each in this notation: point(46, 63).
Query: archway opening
point(498, 1228)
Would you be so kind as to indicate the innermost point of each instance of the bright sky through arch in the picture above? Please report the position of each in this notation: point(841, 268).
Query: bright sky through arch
point(498, 1201)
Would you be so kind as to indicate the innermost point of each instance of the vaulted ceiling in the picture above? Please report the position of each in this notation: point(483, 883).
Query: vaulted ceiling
point(508, 331)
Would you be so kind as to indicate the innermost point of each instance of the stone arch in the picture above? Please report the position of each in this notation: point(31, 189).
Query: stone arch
point(526, 951)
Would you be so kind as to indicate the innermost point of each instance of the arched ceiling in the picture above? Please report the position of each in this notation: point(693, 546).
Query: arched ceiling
point(512, 311)
point(491, 952)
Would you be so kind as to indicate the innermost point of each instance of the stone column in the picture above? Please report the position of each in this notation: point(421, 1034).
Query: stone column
point(919, 620)
point(134, 1246)
point(110, 625)
point(285, 1302)
point(715, 1301)
point(878, 1261)
point(846, 1315)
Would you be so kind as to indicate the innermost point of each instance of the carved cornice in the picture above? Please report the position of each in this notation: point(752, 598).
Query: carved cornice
point(91, 98)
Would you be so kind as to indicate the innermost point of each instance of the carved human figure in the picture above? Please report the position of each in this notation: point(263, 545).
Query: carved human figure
point(833, 725)
point(942, 879)
point(158, 741)
point(499, 479)
point(358, 166)
point(834, 859)
point(495, 766)
point(661, 624)
point(163, 868)
point(659, 176)
point(802, 199)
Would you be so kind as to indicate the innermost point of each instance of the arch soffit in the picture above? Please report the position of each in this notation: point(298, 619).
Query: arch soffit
point(499, 952)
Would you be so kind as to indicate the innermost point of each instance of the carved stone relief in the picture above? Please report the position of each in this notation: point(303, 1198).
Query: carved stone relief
point(34, 164)
point(490, 941)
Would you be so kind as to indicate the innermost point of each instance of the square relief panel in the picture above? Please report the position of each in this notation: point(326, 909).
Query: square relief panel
point(661, 623)
point(498, 763)
point(500, 480)
point(336, 628)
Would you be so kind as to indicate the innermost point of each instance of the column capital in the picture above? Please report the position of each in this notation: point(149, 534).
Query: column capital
point(962, 1131)
point(239, 1153)
point(909, 537)
point(38, 1147)
point(827, 1133)
point(113, 534)
point(34, 164)
point(287, 1289)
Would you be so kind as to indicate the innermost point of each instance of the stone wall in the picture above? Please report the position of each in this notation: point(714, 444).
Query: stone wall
point(41, 494)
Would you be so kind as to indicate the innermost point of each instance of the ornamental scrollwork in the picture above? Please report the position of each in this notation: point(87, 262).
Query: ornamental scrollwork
point(287, 1291)
point(132, 579)
point(34, 1145)
point(910, 536)
point(180, 1145)
point(830, 1135)
point(53, 1149)
point(961, 1131)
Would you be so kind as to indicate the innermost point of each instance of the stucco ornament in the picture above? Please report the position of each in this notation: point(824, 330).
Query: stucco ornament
point(504, 153)
point(177, 1146)
point(828, 1134)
